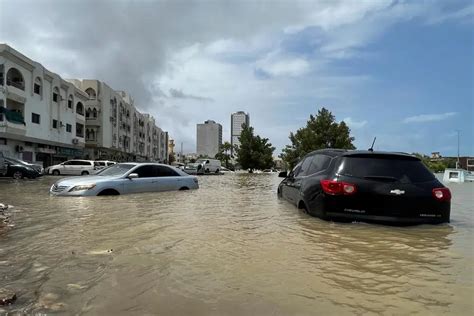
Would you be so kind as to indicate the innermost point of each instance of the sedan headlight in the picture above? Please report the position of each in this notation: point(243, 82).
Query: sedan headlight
point(84, 187)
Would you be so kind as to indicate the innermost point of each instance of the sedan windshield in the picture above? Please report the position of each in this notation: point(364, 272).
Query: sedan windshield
point(116, 170)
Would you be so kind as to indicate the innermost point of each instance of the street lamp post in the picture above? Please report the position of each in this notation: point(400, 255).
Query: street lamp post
point(457, 162)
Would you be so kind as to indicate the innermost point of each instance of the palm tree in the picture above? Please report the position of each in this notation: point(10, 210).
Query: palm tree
point(224, 153)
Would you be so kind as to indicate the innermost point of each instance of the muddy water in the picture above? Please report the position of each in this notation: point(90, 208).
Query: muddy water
point(229, 248)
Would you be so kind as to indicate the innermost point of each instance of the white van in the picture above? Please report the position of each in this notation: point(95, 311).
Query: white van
point(210, 165)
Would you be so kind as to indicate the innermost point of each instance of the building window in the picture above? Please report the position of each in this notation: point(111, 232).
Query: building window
point(70, 101)
point(2, 68)
point(94, 113)
point(91, 93)
point(35, 118)
point(55, 123)
point(79, 130)
point(80, 108)
point(37, 86)
point(15, 79)
point(69, 128)
point(55, 94)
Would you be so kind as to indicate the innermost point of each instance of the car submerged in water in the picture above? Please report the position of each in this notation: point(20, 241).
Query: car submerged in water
point(19, 169)
point(125, 178)
point(367, 186)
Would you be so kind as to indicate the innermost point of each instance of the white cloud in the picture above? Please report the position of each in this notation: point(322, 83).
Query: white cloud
point(285, 66)
point(354, 124)
point(466, 13)
point(423, 118)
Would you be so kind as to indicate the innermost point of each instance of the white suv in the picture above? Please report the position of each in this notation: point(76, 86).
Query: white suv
point(72, 167)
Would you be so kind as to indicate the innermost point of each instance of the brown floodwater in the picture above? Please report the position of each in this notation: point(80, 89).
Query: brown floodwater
point(229, 248)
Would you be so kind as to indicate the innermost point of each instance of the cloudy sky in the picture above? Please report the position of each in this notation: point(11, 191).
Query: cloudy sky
point(398, 70)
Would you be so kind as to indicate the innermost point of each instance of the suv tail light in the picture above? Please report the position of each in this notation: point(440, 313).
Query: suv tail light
point(338, 188)
point(442, 194)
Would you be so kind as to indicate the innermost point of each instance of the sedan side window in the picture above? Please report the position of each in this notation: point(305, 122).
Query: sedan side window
point(145, 172)
point(162, 171)
point(67, 163)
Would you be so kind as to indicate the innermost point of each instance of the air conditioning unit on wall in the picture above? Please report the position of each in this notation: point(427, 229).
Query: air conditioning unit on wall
point(75, 141)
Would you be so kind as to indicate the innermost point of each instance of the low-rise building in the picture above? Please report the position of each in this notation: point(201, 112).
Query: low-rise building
point(47, 119)
point(115, 129)
point(42, 116)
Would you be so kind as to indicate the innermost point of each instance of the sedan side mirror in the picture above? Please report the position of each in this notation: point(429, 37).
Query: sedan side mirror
point(283, 174)
point(133, 176)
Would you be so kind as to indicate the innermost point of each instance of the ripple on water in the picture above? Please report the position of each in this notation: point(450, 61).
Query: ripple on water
point(230, 247)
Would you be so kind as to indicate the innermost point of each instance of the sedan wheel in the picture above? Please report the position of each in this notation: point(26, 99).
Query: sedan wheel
point(17, 175)
point(56, 172)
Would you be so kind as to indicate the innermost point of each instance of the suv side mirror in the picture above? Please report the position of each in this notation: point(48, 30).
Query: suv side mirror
point(133, 176)
point(283, 174)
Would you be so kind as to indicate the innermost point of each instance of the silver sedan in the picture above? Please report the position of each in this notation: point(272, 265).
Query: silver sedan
point(124, 178)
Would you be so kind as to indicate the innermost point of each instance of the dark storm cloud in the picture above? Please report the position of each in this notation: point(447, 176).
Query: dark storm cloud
point(124, 43)
point(178, 94)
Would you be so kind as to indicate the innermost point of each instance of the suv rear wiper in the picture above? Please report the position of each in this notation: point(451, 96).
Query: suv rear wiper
point(381, 178)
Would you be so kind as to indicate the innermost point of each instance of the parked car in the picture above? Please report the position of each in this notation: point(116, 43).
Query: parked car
point(193, 168)
point(72, 167)
point(210, 165)
point(18, 169)
point(37, 167)
point(225, 170)
point(366, 186)
point(126, 178)
point(101, 164)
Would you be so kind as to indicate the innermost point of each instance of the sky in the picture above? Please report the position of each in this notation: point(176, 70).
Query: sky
point(401, 71)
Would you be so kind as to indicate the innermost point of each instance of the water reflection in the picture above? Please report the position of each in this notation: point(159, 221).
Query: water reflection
point(231, 248)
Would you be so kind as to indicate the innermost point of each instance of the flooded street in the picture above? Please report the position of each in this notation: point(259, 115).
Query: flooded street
point(229, 248)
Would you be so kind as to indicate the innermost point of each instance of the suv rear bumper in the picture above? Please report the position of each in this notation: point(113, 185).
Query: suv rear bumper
point(384, 219)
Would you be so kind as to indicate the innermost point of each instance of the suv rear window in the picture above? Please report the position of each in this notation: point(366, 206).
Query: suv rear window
point(386, 168)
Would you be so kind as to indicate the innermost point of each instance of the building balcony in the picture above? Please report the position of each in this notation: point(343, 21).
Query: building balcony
point(12, 122)
point(93, 121)
point(16, 92)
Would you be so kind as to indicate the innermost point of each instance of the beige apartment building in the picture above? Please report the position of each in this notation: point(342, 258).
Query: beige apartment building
point(42, 116)
point(116, 130)
point(46, 119)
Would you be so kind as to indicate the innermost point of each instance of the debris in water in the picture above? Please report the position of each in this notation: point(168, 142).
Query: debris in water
point(7, 297)
point(73, 286)
point(4, 218)
point(100, 252)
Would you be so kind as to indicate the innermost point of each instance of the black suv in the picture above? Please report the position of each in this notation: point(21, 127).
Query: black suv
point(366, 186)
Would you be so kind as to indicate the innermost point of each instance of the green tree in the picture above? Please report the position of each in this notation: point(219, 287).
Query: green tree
point(434, 165)
point(254, 152)
point(224, 154)
point(321, 131)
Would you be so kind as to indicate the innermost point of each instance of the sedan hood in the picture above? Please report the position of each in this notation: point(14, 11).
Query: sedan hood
point(84, 180)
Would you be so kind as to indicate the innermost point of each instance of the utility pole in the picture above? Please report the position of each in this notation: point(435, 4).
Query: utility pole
point(182, 158)
point(457, 162)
